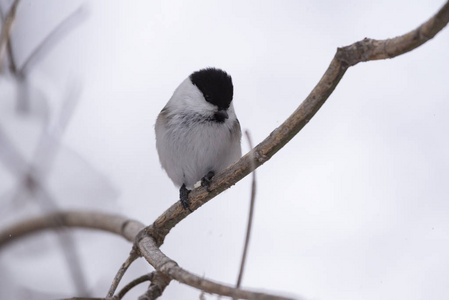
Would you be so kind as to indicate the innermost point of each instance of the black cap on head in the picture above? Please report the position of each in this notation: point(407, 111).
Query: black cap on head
point(216, 86)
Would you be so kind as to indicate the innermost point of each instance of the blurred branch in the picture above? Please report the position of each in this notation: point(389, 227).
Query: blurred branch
point(345, 57)
point(44, 47)
point(129, 229)
point(31, 180)
point(50, 141)
point(61, 30)
point(12, 63)
point(84, 298)
point(30, 176)
point(10, 157)
point(34, 173)
point(81, 219)
point(5, 34)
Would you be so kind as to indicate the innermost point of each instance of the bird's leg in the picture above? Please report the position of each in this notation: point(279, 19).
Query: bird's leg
point(184, 197)
point(205, 181)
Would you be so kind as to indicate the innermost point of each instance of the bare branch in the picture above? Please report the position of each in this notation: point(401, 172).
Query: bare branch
point(160, 262)
point(344, 58)
point(133, 255)
point(129, 229)
point(82, 219)
point(369, 49)
point(158, 284)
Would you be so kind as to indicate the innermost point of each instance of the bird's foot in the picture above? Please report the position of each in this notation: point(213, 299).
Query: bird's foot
point(206, 180)
point(184, 197)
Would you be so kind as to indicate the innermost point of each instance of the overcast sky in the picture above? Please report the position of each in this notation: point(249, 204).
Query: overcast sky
point(354, 207)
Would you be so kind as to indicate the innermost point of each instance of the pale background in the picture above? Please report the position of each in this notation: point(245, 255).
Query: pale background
point(354, 207)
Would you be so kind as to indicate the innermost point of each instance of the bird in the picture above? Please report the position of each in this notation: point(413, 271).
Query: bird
point(197, 132)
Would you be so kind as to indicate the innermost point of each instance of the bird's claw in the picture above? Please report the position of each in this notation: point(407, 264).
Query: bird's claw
point(206, 180)
point(184, 197)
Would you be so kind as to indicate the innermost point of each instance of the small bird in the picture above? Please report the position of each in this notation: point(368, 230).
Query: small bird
point(197, 132)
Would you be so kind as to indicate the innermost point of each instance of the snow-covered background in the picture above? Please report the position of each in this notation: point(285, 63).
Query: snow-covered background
point(354, 207)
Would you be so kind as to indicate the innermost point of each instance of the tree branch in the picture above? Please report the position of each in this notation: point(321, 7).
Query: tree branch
point(369, 49)
point(129, 229)
point(133, 255)
point(5, 33)
point(158, 284)
point(345, 57)
point(151, 252)
point(82, 219)
point(134, 283)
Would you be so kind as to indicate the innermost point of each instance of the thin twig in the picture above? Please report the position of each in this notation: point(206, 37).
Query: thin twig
point(133, 255)
point(135, 282)
point(250, 217)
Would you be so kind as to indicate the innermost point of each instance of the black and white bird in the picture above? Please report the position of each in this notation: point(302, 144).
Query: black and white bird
point(197, 132)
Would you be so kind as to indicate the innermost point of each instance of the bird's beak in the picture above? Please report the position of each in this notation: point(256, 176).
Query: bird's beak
point(222, 114)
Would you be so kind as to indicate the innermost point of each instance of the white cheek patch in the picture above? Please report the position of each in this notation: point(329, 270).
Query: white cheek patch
point(188, 98)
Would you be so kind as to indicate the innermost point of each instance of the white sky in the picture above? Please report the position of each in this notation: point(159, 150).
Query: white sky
point(355, 207)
